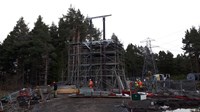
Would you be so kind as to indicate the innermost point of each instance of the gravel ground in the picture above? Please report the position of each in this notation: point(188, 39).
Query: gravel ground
point(66, 104)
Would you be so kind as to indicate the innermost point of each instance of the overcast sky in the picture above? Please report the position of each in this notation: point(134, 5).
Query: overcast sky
point(132, 21)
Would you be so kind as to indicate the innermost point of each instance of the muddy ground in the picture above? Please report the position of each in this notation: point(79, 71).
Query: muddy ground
point(65, 104)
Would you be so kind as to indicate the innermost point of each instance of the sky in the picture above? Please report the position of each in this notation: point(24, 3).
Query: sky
point(133, 21)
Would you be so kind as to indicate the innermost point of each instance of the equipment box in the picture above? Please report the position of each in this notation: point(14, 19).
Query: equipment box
point(139, 97)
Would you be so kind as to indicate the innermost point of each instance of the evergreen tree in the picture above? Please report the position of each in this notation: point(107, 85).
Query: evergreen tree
point(74, 22)
point(192, 47)
point(72, 26)
point(181, 65)
point(41, 50)
point(114, 37)
point(1, 52)
point(14, 51)
point(165, 62)
point(1, 67)
point(54, 66)
point(133, 61)
point(54, 35)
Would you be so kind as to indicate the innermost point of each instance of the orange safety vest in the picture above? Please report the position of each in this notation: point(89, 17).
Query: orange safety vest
point(140, 83)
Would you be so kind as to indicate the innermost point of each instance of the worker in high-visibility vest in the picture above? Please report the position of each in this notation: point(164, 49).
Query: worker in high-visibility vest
point(140, 84)
point(136, 83)
point(91, 84)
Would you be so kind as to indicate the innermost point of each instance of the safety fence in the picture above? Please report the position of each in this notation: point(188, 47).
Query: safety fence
point(183, 85)
point(9, 103)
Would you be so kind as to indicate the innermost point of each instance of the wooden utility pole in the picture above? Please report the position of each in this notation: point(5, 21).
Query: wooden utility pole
point(104, 23)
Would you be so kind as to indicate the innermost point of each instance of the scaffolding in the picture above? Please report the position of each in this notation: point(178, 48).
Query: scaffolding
point(102, 61)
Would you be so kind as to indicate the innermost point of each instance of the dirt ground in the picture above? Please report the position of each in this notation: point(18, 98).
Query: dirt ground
point(66, 104)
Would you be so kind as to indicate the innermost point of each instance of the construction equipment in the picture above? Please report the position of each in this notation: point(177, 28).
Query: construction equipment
point(8, 103)
point(24, 98)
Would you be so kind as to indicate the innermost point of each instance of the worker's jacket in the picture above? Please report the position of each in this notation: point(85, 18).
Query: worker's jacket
point(136, 84)
point(91, 84)
point(140, 84)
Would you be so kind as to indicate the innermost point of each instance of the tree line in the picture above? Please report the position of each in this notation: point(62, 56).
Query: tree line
point(39, 56)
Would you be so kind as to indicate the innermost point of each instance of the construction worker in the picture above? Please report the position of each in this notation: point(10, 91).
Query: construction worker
point(55, 87)
point(136, 86)
point(136, 83)
point(139, 83)
point(91, 84)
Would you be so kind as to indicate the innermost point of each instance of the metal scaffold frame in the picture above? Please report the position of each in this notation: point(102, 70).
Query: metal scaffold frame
point(102, 61)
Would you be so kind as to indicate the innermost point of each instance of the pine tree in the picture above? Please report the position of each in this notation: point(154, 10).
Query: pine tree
point(133, 61)
point(70, 26)
point(14, 51)
point(165, 63)
point(41, 48)
point(54, 62)
point(192, 47)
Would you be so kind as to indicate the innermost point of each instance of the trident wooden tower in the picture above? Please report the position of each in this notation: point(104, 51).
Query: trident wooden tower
point(102, 61)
